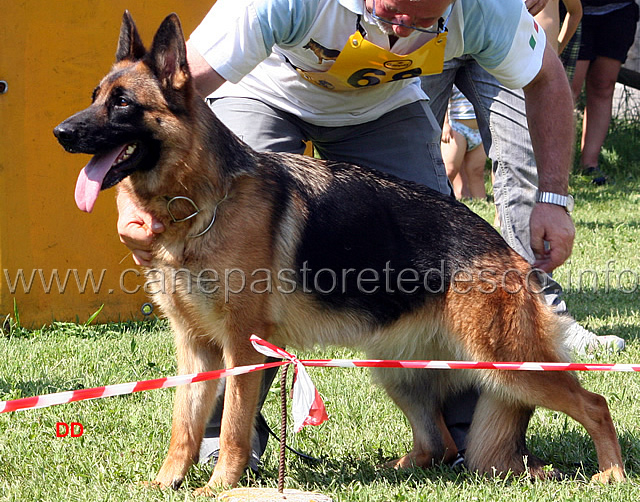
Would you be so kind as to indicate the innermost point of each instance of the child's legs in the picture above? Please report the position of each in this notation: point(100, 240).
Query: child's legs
point(453, 154)
point(473, 167)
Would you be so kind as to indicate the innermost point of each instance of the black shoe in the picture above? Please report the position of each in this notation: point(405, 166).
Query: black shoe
point(210, 451)
point(596, 175)
point(458, 463)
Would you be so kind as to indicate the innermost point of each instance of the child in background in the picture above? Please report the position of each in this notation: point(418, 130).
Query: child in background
point(608, 32)
point(558, 35)
point(565, 37)
point(462, 151)
point(464, 160)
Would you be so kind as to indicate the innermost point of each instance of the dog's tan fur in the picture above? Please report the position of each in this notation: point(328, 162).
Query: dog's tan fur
point(258, 228)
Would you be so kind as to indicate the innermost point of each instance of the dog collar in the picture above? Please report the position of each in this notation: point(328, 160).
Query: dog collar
point(196, 211)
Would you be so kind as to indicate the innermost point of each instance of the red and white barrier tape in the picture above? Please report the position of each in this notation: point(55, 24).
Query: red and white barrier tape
point(121, 389)
point(467, 365)
point(307, 406)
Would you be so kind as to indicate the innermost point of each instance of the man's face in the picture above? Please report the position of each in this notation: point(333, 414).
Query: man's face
point(420, 13)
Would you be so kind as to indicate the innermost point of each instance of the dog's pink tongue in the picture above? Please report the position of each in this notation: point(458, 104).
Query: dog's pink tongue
point(90, 179)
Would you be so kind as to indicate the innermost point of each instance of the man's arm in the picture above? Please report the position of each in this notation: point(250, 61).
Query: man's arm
point(550, 117)
point(206, 78)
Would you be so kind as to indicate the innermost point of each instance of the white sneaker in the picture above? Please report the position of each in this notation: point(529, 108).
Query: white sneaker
point(582, 340)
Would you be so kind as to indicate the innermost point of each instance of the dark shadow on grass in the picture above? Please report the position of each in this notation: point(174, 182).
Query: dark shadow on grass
point(572, 453)
point(619, 185)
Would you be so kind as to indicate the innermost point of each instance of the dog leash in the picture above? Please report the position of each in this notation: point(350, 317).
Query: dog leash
point(303, 456)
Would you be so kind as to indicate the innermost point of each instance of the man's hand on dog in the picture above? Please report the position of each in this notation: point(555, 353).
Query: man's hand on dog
point(137, 229)
point(551, 224)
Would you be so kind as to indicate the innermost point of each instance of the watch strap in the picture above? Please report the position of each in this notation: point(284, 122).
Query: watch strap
point(555, 198)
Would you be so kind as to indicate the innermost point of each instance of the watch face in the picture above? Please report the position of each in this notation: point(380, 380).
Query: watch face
point(570, 203)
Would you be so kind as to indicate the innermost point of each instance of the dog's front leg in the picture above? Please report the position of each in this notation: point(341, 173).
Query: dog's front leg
point(192, 407)
point(240, 402)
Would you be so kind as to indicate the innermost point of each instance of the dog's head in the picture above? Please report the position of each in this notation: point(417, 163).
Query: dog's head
point(135, 110)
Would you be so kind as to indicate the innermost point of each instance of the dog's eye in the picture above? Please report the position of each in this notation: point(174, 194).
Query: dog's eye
point(122, 102)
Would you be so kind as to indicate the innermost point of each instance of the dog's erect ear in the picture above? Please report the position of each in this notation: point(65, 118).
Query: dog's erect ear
point(168, 55)
point(130, 44)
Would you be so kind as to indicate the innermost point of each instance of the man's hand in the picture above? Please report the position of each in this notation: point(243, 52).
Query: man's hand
point(551, 224)
point(535, 6)
point(136, 229)
point(551, 126)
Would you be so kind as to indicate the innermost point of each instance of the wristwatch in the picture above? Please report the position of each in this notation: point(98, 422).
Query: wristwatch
point(565, 201)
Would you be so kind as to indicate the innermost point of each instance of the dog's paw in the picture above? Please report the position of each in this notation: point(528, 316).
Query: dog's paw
point(615, 474)
point(225, 478)
point(546, 473)
point(422, 458)
point(206, 491)
point(158, 483)
point(154, 485)
point(398, 463)
point(409, 461)
point(170, 476)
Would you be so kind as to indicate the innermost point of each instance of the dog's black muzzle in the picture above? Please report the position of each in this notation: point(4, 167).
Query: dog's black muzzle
point(67, 135)
point(84, 132)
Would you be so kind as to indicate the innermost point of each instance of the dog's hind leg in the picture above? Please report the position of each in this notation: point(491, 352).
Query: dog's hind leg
point(561, 391)
point(512, 324)
point(192, 406)
point(416, 396)
point(496, 440)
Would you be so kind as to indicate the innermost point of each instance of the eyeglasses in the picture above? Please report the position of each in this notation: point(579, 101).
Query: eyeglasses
point(442, 25)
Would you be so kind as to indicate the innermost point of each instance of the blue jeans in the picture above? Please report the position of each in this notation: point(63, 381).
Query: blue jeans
point(502, 121)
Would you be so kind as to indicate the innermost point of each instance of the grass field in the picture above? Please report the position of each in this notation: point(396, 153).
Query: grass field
point(125, 438)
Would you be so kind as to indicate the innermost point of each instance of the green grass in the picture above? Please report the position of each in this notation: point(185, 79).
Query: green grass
point(125, 438)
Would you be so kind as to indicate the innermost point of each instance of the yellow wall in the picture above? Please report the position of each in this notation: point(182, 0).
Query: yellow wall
point(52, 54)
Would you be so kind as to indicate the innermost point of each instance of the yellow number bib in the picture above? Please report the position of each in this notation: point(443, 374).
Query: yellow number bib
point(363, 64)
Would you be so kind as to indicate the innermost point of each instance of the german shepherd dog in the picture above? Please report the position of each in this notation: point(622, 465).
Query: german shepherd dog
point(372, 262)
point(321, 52)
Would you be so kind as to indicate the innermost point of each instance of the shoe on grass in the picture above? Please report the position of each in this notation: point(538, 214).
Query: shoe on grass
point(596, 175)
point(583, 341)
point(210, 451)
point(458, 462)
point(210, 445)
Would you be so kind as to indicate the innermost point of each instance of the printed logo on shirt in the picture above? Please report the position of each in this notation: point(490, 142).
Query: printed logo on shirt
point(532, 40)
point(321, 52)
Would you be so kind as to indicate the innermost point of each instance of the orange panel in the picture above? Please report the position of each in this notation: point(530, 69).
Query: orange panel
point(53, 54)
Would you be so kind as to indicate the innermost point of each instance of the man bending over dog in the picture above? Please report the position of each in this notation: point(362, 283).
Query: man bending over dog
point(340, 73)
